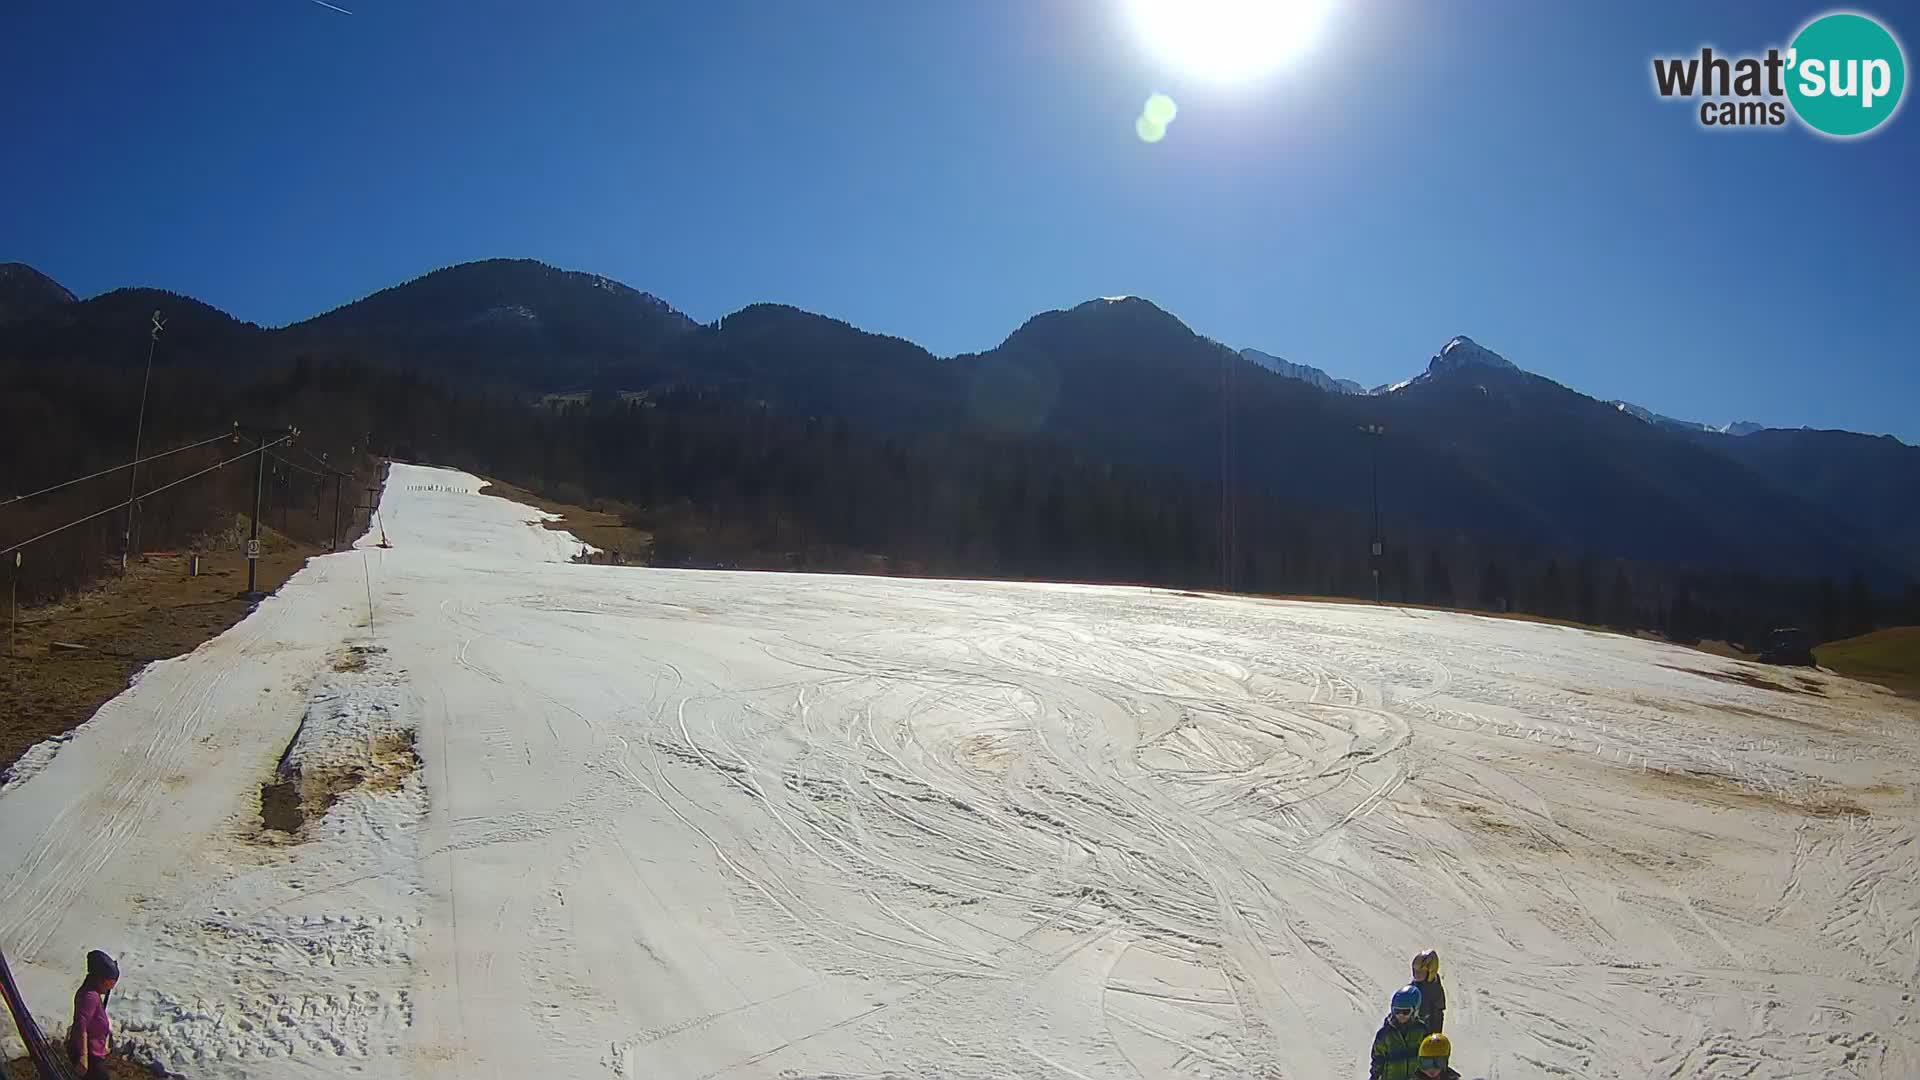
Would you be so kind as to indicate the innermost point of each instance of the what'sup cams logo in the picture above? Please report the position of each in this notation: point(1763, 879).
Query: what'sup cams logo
point(1842, 76)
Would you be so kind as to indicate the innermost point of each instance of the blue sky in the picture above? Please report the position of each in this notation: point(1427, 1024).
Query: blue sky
point(943, 170)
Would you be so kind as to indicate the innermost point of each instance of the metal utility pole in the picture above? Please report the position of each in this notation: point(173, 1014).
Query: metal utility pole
point(260, 437)
point(333, 538)
point(13, 604)
point(1377, 550)
point(253, 537)
point(139, 429)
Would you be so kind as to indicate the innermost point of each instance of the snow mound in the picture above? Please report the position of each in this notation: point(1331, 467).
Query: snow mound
point(194, 1033)
point(36, 758)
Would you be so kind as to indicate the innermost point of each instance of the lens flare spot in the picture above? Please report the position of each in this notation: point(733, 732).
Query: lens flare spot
point(1149, 131)
point(1161, 109)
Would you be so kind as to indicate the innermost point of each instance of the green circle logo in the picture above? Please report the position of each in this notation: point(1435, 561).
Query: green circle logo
point(1845, 73)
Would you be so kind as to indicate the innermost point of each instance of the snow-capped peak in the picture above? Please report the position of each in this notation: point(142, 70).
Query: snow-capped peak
point(1459, 352)
point(1648, 416)
point(1302, 372)
point(1462, 352)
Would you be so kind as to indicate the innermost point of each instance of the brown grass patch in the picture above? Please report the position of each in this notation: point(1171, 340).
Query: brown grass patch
point(603, 528)
point(152, 612)
point(1889, 657)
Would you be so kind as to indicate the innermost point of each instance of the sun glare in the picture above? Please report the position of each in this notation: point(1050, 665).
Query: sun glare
point(1228, 40)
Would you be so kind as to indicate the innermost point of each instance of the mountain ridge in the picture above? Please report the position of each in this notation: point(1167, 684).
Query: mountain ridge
point(1459, 350)
point(1475, 444)
point(1305, 373)
point(25, 291)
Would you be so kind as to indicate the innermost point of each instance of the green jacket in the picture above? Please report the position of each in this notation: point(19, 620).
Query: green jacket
point(1396, 1050)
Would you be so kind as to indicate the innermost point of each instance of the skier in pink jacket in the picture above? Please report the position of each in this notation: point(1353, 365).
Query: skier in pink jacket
point(87, 1039)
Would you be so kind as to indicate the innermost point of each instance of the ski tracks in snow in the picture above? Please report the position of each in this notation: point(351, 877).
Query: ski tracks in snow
point(762, 825)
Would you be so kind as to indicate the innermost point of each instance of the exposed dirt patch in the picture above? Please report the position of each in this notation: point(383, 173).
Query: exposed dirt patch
point(1724, 708)
point(1668, 861)
point(154, 611)
point(117, 1067)
point(355, 658)
point(1484, 819)
point(1800, 685)
point(295, 797)
point(1717, 787)
point(280, 809)
point(1892, 791)
point(395, 757)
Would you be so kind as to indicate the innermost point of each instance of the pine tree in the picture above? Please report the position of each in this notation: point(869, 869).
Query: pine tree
point(1861, 613)
point(1553, 592)
point(1400, 574)
point(1585, 606)
point(1493, 588)
point(1826, 611)
point(1438, 581)
point(1681, 626)
point(1620, 614)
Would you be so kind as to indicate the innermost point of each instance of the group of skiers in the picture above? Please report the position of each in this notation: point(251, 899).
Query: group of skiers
point(1410, 1043)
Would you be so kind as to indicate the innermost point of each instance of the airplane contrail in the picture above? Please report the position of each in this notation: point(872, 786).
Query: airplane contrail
point(336, 7)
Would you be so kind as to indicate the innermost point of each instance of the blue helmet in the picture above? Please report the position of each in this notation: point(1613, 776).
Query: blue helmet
point(1407, 997)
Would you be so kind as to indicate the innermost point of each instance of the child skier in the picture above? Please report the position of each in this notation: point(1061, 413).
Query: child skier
point(1435, 1049)
point(1396, 1048)
point(1433, 996)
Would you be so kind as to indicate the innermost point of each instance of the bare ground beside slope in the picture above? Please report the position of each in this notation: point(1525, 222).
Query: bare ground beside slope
point(154, 611)
point(72, 656)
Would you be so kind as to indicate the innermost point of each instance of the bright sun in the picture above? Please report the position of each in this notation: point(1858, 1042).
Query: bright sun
point(1228, 40)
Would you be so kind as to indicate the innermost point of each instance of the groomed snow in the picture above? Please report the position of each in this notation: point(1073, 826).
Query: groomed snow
point(673, 824)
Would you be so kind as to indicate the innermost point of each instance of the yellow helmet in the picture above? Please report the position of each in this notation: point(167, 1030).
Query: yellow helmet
point(1436, 1045)
point(1426, 965)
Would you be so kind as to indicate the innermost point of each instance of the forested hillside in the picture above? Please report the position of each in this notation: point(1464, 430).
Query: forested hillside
point(1108, 442)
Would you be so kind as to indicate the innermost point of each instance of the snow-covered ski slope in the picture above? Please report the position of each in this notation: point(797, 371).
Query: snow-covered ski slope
point(697, 825)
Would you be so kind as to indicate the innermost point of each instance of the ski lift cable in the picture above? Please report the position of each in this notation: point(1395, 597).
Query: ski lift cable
point(126, 502)
point(297, 465)
point(116, 468)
